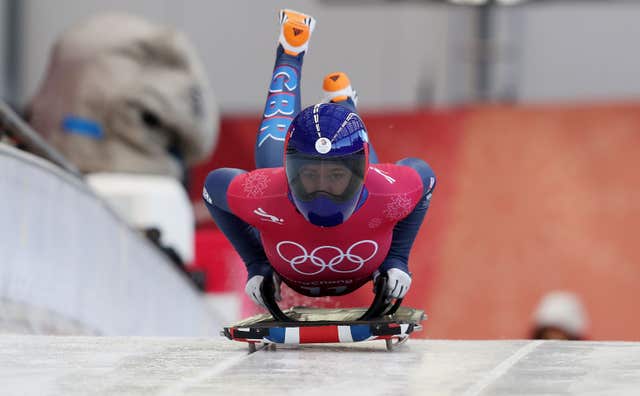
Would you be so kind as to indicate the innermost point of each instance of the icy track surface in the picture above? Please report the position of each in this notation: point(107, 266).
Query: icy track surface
point(46, 365)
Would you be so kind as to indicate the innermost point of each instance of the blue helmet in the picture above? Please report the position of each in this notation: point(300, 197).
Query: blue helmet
point(326, 161)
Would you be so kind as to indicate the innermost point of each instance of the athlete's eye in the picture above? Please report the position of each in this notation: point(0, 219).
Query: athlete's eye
point(309, 174)
point(338, 175)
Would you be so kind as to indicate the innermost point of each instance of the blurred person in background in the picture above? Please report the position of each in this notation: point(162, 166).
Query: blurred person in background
point(122, 94)
point(560, 315)
point(319, 213)
point(128, 103)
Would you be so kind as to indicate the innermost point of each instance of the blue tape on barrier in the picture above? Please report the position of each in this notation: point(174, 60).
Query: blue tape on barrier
point(82, 126)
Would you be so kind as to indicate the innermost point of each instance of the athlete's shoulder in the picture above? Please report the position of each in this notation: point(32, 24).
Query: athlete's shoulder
point(392, 179)
point(259, 184)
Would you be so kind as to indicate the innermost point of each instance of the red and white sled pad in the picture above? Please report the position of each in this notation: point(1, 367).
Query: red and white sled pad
point(314, 325)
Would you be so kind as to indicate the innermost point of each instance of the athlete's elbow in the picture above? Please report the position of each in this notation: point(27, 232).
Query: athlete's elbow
point(424, 170)
point(216, 185)
point(208, 188)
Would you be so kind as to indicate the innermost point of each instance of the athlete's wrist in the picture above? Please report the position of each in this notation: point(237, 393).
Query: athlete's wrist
point(259, 268)
point(394, 262)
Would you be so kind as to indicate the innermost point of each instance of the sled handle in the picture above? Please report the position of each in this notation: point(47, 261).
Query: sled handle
point(394, 307)
point(380, 304)
point(268, 296)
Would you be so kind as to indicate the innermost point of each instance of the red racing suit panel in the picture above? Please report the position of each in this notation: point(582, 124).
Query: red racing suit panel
point(320, 261)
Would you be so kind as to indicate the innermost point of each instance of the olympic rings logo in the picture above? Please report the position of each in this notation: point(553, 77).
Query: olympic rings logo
point(303, 257)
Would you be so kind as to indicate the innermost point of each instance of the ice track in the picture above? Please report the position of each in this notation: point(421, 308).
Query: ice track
point(46, 365)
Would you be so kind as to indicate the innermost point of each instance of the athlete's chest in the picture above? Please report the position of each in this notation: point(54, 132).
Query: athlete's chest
point(279, 219)
point(298, 249)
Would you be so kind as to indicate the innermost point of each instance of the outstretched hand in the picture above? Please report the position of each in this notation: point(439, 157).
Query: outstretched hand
point(398, 282)
point(253, 289)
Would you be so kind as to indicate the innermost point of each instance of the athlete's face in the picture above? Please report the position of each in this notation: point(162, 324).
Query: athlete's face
point(329, 177)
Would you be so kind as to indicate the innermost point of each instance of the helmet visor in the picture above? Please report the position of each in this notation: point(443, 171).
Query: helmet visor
point(336, 178)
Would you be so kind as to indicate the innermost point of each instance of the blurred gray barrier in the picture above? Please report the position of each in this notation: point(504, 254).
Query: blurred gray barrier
point(64, 253)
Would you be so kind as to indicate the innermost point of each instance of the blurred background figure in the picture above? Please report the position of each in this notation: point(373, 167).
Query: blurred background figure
point(127, 102)
point(122, 94)
point(560, 315)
